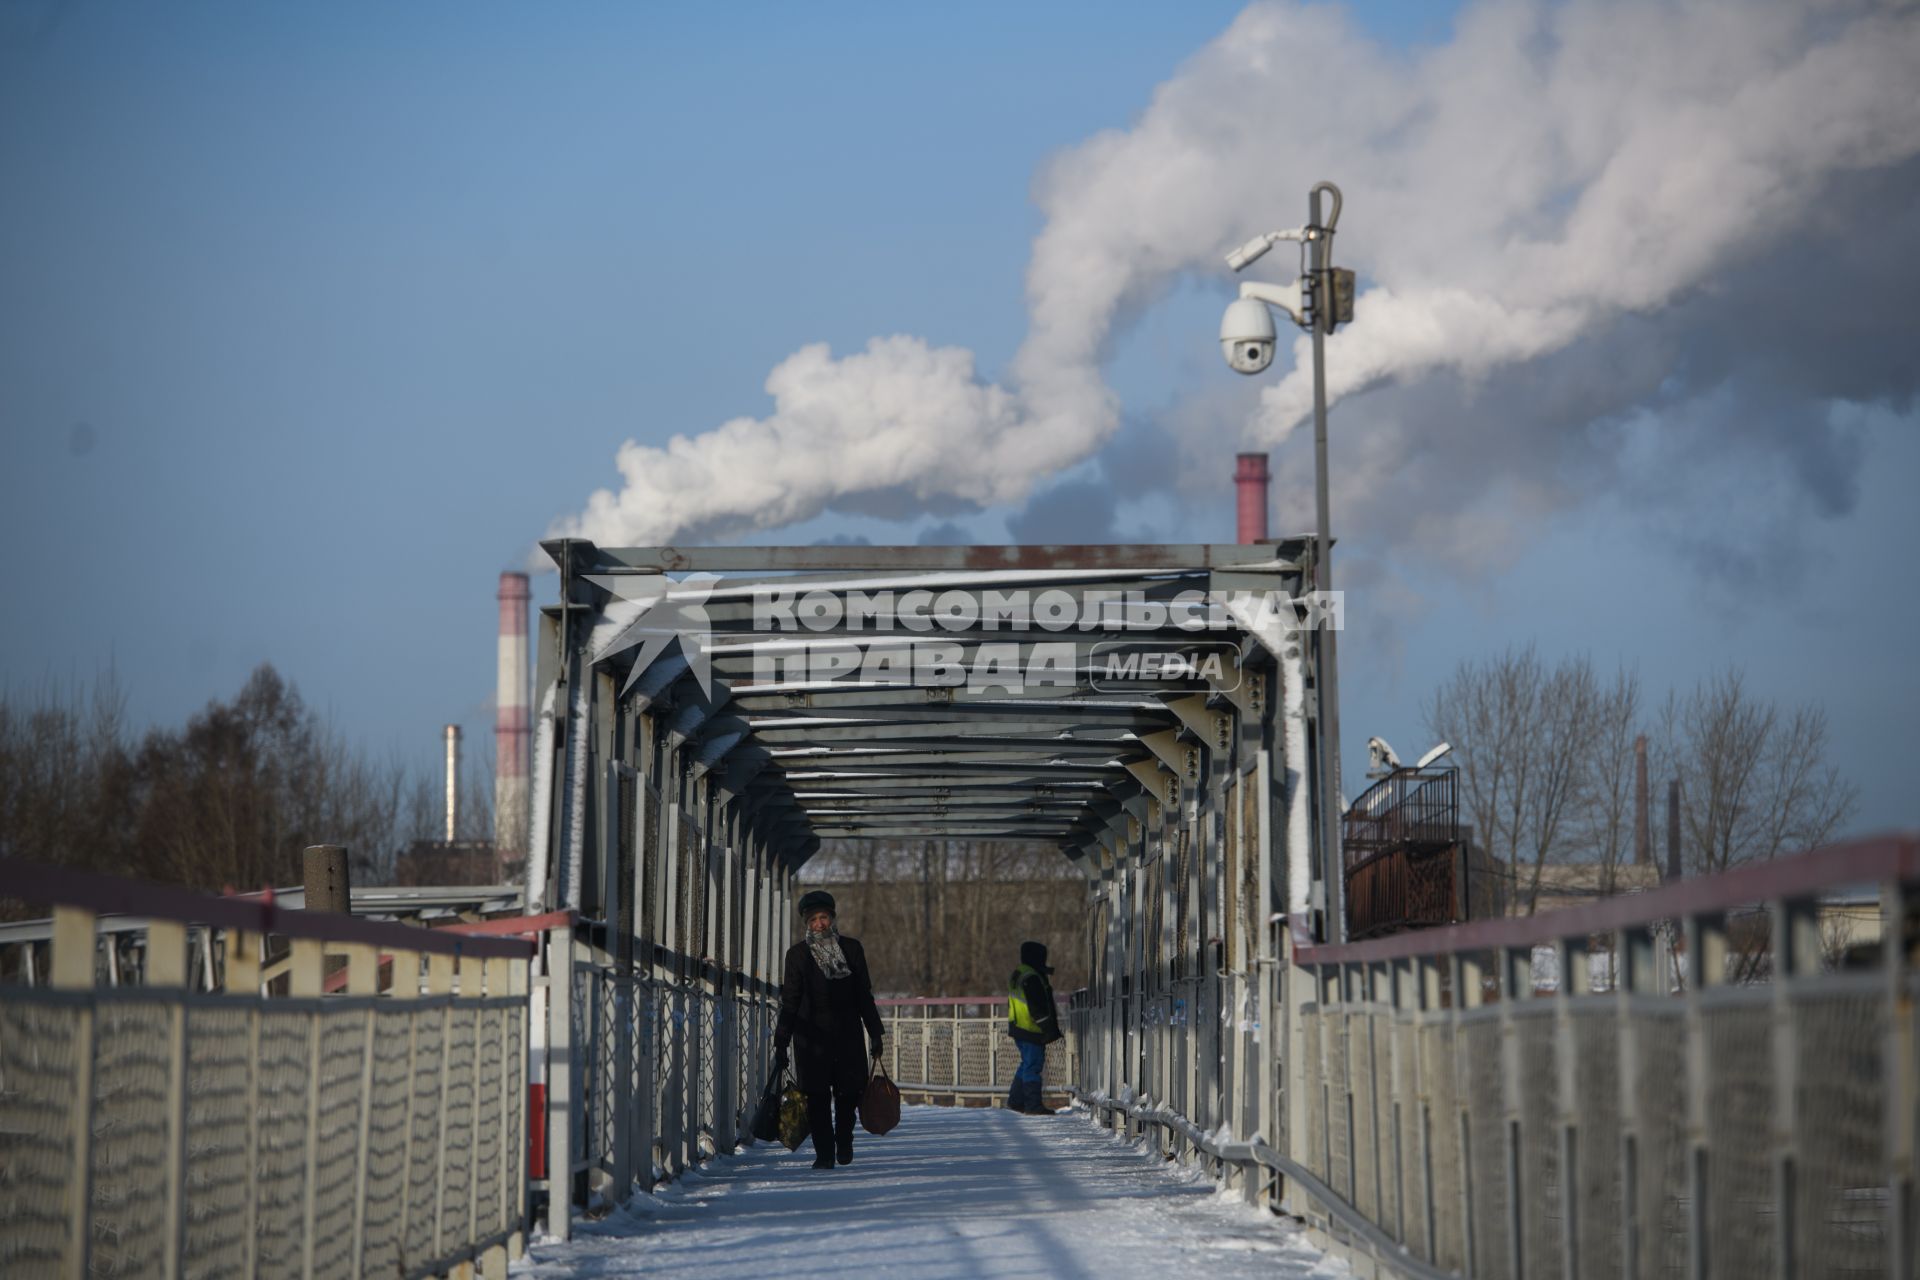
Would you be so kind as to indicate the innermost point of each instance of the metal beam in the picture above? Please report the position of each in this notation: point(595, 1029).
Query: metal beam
point(916, 708)
point(985, 833)
point(944, 733)
point(588, 558)
point(938, 700)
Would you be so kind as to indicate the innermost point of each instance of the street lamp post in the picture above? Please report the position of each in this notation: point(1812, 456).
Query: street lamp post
point(1320, 301)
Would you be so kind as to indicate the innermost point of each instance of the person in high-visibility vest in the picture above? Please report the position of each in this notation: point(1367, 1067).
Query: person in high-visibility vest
point(1034, 1023)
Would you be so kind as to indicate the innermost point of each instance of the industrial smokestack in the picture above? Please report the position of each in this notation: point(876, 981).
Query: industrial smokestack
point(1250, 479)
point(452, 733)
point(1674, 869)
point(512, 725)
point(1642, 830)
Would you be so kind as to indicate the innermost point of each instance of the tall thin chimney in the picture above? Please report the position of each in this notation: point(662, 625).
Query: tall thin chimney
point(1674, 869)
point(1250, 479)
point(512, 731)
point(452, 734)
point(1642, 830)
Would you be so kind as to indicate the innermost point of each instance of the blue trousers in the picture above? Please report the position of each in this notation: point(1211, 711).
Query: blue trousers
point(1027, 1080)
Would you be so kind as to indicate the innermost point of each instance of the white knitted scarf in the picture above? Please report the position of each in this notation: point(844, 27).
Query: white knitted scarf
point(825, 946)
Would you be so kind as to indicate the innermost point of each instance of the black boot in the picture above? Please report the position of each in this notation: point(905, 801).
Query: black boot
point(820, 1122)
point(843, 1127)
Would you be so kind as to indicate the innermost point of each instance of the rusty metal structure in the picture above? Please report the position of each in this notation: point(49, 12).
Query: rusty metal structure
point(1405, 864)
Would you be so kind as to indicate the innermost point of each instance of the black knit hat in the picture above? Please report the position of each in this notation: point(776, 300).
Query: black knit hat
point(816, 900)
point(1035, 954)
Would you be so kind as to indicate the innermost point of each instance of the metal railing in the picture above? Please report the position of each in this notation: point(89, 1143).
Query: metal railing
point(660, 1072)
point(1706, 1079)
point(1699, 1079)
point(1410, 809)
point(958, 1046)
point(213, 1117)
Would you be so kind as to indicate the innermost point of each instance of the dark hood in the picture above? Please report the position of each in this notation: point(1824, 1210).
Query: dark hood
point(1035, 954)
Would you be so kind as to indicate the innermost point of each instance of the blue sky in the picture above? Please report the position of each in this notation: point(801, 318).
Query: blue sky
point(313, 318)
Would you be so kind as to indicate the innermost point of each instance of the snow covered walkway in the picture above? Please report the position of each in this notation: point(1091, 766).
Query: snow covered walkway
point(953, 1192)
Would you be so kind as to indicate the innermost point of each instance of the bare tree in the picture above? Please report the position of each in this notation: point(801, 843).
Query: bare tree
point(1546, 757)
point(1606, 821)
point(228, 800)
point(1523, 735)
point(1754, 781)
point(67, 788)
point(947, 917)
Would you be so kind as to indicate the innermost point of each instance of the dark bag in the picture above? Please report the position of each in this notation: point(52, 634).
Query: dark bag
point(880, 1104)
point(766, 1116)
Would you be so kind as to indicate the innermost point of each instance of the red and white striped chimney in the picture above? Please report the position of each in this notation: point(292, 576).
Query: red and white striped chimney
point(1250, 479)
point(512, 725)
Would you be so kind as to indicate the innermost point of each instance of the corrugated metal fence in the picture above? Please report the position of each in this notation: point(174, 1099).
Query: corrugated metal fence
point(345, 1098)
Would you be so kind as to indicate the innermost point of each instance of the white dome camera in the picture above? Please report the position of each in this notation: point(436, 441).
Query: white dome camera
point(1247, 336)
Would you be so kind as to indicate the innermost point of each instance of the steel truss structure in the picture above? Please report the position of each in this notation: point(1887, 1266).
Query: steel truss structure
point(672, 814)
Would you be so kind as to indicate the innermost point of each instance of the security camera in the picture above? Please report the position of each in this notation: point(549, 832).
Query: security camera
point(1249, 253)
point(1255, 249)
point(1246, 336)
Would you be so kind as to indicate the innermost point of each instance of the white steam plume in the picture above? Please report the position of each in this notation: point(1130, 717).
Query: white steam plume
point(1554, 167)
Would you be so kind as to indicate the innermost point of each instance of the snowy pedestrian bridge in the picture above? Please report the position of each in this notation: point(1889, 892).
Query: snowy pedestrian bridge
point(1699, 1080)
point(959, 1193)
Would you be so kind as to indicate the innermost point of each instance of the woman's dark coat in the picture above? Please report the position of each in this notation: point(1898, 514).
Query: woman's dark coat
point(823, 1020)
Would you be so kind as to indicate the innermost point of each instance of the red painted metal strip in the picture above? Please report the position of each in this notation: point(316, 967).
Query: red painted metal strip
point(511, 926)
point(336, 982)
point(64, 886)
point(1874, 860)
point(911, 1000)
point(536, 1130)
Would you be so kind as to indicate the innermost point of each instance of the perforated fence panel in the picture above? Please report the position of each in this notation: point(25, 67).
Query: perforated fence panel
point(129, 1184)
point(40, 1050)
point(1314, 1085)
point(1485, 1135)
point(387, 1128)
point(1684, 1104)
point(1596, 1176)
point(337, 1137)
point(219, 1120)
point(1539, 1137)
point(930, 1048)
point(1841, 1213)
point(1659, 1130)
point(1740, 1195)
point(1360, 1087)
point(1446, 1164)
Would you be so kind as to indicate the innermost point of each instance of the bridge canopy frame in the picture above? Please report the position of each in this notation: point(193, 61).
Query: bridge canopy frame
point(709, 717)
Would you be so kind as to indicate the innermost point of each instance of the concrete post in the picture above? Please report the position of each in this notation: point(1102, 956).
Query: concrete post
point(328, 887)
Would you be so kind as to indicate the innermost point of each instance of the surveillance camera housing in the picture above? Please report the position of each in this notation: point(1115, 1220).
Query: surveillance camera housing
point(1247, 336)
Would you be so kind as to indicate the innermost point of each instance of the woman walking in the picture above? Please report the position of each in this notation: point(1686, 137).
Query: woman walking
point(826, 998)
